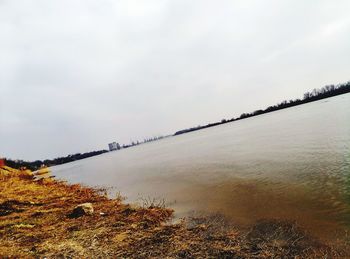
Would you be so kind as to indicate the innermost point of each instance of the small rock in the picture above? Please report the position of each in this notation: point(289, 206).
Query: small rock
point(81, 210)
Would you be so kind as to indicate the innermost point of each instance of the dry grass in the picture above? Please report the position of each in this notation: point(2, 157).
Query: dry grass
point(34, 222)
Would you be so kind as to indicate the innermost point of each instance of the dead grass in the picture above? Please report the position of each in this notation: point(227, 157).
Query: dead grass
point(34, 222)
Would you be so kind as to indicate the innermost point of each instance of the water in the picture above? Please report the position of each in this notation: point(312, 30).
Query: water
point(291, 164)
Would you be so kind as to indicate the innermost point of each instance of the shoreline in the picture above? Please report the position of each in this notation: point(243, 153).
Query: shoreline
point(37, 220)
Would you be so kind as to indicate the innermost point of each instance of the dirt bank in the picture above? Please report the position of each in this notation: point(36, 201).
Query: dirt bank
point(36, 220)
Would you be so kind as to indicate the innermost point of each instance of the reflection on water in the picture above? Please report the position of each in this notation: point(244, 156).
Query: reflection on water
point(245, 202)
point(290, 164)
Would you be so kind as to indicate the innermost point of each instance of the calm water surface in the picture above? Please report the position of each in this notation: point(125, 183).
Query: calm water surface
point(290, 164)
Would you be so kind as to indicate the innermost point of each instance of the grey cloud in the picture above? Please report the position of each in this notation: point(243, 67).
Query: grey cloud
point(78, 74)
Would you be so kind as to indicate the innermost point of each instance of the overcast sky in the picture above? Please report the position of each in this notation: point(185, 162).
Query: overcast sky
point(76, 75)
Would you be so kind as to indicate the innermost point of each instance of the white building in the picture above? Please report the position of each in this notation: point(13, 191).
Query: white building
point(113, 146)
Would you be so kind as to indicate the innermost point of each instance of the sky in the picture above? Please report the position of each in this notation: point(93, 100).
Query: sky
point(78, 74)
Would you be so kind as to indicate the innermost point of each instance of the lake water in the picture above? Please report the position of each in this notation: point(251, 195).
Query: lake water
point(291, 164)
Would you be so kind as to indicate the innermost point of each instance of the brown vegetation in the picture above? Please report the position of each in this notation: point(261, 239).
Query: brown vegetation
point(35, 221)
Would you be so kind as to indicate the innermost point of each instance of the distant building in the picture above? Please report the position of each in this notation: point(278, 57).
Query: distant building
point(113, 146)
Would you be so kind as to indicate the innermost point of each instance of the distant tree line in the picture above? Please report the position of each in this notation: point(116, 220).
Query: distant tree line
point(148, 139)
point(35, 165)
point(315, 95)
